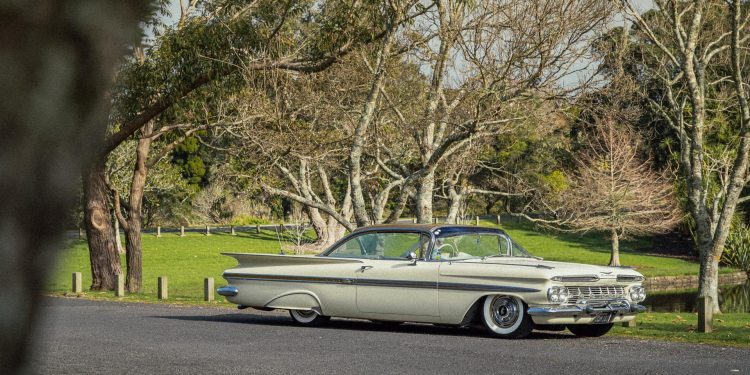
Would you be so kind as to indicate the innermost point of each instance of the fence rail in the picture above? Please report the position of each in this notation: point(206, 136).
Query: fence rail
point(230, 229)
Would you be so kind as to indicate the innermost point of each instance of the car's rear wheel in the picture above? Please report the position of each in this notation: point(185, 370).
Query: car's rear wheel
point(505, 317)
point(590, 330)
point(308, 317)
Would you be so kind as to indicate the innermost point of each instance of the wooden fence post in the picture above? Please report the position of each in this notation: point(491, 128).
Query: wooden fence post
point(77, 283)
point(705, 314)
point(257, 228)
point(119, 285)
point(414, 220)
point(231, 229)
point(158, 231)
point(477, 221)
point(80, 233)
point(182, 231)
point(630, 324)
point(162, 287)
point(208, 289)
point(498, 219)
point(208, 230)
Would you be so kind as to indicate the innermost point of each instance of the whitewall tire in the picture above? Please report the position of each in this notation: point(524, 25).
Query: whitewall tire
point(505, 317)
point(308, 317)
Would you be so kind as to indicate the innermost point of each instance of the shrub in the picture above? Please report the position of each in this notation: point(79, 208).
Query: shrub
point(245, 220)
point(737, 249)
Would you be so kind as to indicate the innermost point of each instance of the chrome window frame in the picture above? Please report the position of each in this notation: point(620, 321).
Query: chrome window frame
point(359, 233)
point(508, 241)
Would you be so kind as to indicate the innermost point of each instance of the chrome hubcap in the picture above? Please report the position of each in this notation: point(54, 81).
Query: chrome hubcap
point(505, 311)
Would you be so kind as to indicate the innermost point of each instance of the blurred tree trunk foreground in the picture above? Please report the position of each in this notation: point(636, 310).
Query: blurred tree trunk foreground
point(58, 59)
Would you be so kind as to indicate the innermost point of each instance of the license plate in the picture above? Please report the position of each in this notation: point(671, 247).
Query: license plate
point(603, 318)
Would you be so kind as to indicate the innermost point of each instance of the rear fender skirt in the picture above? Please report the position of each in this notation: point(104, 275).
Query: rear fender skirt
point(295, 300)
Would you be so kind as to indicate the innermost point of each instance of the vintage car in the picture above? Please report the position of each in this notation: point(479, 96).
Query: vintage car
point(441, 274)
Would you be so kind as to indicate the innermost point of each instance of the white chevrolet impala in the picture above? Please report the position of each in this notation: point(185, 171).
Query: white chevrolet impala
point(441, 274)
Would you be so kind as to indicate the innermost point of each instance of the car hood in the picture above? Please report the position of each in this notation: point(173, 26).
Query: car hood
point(563, 268)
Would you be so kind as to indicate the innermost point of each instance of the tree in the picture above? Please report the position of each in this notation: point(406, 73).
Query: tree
point(58, 61)
point(503, 56)
point(209, 49)
point(129, 216)
point(695, 54)
point(613, 190)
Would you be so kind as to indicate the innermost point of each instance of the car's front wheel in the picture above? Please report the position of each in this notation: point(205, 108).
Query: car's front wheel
point(590, 330)
point(308, 317)
point(505, 317)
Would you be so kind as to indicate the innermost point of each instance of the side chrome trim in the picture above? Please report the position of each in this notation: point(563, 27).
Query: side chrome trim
point(486, 288)
point(294, 279)
point(382, 283)
point(227, 291)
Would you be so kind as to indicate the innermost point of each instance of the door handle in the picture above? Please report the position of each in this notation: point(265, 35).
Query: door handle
point(364, 268)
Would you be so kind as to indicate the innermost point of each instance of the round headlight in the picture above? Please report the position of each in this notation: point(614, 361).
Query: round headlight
point(557, 294)
point(637, 293)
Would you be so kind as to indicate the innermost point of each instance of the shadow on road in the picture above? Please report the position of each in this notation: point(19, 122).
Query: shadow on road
point(356, 325)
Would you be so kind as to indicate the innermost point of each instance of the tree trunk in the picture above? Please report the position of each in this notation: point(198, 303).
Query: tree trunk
point(614, 259)
point(105, 262)
point(423, 198)
point(133, 248)
point(454, 207)
point(134, 256)
point(366, 116)
point(708, 283)
point(320, 226)
point(118, 240)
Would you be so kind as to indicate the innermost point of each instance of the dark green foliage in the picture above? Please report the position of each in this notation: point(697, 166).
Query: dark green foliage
point(737, 249)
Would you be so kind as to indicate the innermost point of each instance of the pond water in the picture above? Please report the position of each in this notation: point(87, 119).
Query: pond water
point(732, 298)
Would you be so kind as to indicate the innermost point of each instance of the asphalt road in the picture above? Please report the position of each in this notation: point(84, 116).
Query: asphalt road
point(80, 336)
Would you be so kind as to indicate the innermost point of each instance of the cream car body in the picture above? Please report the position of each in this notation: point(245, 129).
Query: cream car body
point(436, 274)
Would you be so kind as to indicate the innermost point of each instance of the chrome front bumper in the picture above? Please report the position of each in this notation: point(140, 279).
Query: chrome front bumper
point(584, 308)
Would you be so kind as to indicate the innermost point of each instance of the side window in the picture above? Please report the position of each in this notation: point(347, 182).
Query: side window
point(349, 249)
point(382, 245)
point(488, 245)
point(465, 246)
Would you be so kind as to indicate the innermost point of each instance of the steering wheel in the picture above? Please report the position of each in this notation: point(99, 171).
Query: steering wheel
point(452, 249)
point(405, 254)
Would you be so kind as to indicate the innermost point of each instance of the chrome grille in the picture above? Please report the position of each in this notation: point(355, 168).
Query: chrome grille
point(594, 294)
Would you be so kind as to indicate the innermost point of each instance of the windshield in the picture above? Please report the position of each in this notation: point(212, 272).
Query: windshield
point(455, 246)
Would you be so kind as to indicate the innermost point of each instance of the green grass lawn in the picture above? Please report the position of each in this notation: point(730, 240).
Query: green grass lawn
point(186, 261)
point(729, 329)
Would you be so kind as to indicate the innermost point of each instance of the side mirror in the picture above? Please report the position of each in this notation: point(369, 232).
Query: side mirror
point(412, 257)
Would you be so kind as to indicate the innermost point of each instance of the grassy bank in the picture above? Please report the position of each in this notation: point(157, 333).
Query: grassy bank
point(729, 329)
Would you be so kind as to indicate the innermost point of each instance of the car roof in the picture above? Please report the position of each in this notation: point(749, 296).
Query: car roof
point(435, 228)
